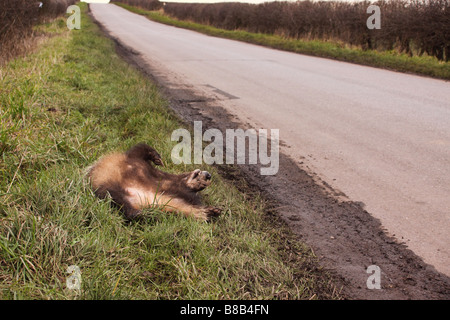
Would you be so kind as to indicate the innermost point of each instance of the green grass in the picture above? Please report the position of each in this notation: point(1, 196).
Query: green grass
point(423, 65)
point(64, 106)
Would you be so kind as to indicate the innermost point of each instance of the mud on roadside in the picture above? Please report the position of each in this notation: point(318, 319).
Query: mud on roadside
point(345, 238)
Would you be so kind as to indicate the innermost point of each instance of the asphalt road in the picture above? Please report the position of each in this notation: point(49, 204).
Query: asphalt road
point(380, 137)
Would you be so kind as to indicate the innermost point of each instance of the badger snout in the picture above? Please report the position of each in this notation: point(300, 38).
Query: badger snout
point(207, 175)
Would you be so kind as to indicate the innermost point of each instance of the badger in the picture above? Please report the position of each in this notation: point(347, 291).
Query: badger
point(134, 183)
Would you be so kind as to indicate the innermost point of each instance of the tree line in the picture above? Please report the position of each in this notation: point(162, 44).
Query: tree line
point(414, 27)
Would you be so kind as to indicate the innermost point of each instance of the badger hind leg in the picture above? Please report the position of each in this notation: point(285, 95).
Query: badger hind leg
point(119, 197)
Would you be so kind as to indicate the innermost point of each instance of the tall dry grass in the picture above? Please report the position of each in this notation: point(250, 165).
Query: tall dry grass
point(17, 18)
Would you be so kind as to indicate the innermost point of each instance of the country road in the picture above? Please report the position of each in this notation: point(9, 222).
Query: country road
point(374, 137)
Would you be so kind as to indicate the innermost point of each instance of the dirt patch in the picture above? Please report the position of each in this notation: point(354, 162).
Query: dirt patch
point(345, 238)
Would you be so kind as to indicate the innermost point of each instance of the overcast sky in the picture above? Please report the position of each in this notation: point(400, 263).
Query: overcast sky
point(212, 1)
point(247, 1)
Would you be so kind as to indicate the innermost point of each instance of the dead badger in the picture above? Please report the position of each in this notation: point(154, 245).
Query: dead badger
point(134, 183)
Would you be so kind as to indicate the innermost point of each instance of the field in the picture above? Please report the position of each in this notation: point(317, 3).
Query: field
point(63, 105)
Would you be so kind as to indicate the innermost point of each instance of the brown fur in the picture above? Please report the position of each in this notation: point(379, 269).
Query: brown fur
point(134, 183)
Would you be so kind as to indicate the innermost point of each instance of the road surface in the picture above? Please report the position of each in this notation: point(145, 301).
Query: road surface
point(381, 138)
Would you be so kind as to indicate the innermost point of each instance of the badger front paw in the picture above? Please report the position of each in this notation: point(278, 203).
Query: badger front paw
point(207, 213)
point(198, 180)
point(212, 212)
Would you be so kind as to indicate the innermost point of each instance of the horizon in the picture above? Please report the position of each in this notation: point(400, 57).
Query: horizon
point(252, 1)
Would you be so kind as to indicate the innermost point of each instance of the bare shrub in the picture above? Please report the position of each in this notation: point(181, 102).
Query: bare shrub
point(144, 4)
point(17, 19)
point(414, 27)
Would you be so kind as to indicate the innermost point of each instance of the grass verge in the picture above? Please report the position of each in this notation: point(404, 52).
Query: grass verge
point(391, 60)
point(64, 106)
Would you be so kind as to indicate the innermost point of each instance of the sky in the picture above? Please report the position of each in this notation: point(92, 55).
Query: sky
point(96, 1)
point(247, 1)
point(211, 1)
